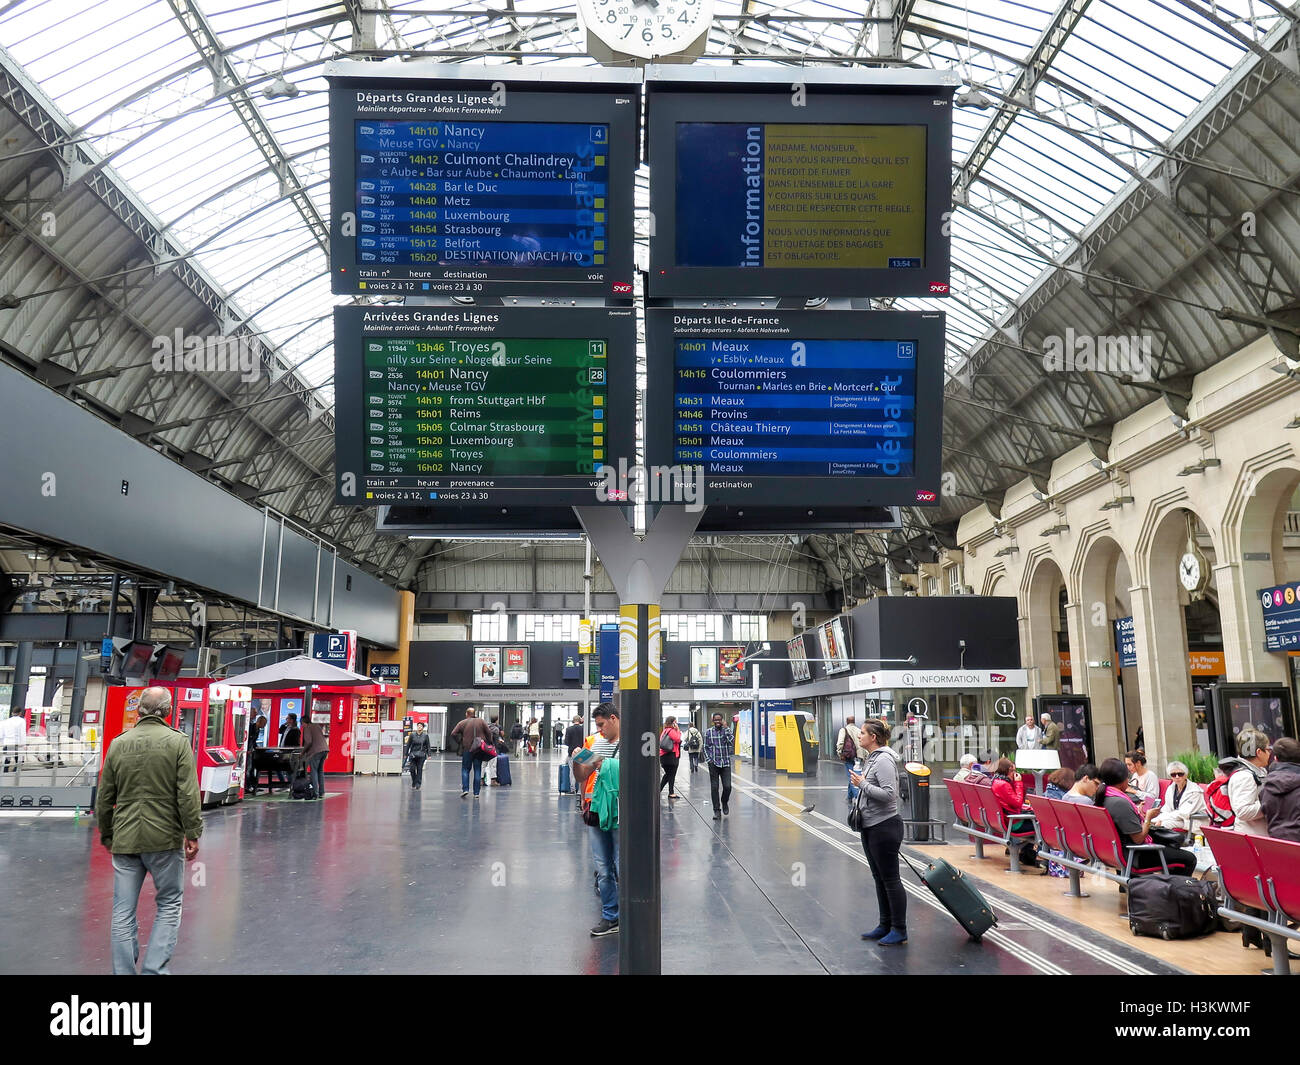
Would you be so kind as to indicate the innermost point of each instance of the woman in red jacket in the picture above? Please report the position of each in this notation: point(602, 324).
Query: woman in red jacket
point(1009, 789)
point(670, 753)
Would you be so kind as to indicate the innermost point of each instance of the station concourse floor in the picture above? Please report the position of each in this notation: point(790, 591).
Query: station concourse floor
point(378, 878)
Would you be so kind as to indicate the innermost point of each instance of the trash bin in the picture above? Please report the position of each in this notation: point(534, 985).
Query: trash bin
point(918, 797)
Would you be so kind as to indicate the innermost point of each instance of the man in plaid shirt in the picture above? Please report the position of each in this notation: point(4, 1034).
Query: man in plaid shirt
point(719, 742)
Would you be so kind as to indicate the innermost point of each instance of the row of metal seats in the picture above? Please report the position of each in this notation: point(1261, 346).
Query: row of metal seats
point(1262, 876)
point(1084, 839)
point(979, 814)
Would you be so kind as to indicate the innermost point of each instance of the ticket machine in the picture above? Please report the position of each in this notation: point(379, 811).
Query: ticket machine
point(213, 717)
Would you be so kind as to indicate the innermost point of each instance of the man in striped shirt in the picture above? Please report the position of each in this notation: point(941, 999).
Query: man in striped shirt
point(719, 742)
point(604, 844)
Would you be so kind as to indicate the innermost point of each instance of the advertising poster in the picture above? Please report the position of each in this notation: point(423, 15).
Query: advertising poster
point(745, 734)
point(798, 659)
point(487, 665)
point(516, 666)
point(1073, 719)
point(834, 648)
point(571, 668)
point(704, 665)
point(731, 668)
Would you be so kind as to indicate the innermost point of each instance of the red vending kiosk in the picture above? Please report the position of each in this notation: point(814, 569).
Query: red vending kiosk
point(214, 717)
point(337, 710)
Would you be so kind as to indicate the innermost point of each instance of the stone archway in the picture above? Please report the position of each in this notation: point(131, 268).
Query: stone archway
point(1039, 612)
point(1160, 629)
point(1103, 576)
point(1254, 558)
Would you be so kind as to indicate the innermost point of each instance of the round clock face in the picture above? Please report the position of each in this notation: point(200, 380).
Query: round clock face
point(1189, 571)
point(646, 28)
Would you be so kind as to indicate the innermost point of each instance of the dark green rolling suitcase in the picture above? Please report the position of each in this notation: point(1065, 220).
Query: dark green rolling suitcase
point(959, 896)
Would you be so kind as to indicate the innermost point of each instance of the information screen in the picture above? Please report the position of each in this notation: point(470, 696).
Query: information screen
point(802, 408)
point(464, 406)
point(799, 407)
point(801, 196)
point(838, 190)
point(455, 187)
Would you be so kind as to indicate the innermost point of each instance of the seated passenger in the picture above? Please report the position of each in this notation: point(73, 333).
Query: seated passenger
point(1280, 794)
point(1245, 777)
point(1184, 801)
point(1141, 782)
point(1086, 782)
point(1130, 826)
point(980, 772)
point(1059, 783)
point(1009, 790)
point(967, 762)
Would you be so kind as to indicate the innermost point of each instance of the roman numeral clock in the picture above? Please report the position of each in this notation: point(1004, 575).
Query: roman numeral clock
point(619, 30)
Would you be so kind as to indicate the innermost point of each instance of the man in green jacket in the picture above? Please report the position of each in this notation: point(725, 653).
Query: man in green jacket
point(147, 807)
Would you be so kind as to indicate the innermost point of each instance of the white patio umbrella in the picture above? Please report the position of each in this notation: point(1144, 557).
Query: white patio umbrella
point(301, 671)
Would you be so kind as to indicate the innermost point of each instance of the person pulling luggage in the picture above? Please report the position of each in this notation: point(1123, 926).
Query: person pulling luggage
point(881, 829)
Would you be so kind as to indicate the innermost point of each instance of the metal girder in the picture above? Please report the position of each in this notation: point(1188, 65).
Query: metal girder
point(1033, 69)
point(213, 53)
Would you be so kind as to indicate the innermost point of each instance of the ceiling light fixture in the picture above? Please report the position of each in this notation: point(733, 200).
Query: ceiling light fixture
point(1117, 502)
point(1053, 530)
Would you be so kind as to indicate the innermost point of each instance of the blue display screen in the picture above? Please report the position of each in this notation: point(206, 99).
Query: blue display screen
point(479, 193)
point(803, 408)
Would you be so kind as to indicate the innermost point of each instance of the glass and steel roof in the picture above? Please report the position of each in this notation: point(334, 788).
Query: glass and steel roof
point(213, 114)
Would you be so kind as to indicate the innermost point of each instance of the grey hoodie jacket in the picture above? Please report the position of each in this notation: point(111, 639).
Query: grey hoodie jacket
point(878, 796)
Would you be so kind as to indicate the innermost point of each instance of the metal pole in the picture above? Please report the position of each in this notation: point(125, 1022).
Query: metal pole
point(755, 729)
point(591, 635)
point(640, 929)
point(80, 671)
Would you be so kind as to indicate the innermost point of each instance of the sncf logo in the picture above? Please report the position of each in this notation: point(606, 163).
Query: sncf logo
point(997, 678)
point(938, 286)
point(926, 497)
point(621, 288)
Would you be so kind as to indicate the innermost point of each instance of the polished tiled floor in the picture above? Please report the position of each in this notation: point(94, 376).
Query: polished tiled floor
point(382, 879)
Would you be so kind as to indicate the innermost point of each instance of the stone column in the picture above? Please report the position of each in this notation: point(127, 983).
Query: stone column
point(1242, 619)
point(1160, 631)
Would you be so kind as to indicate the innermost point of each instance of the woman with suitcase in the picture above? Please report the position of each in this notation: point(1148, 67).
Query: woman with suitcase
point(881, 828)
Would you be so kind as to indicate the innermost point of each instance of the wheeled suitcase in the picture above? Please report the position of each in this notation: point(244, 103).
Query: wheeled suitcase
point(503, 770)
point(959, 896)
point(564, 778)
point(1171, 907)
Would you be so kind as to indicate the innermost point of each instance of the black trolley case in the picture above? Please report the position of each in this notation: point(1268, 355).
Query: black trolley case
point(959, 896)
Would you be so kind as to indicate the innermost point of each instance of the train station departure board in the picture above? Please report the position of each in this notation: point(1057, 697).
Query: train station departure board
point(779, 189)
point(472, 407)
point(451, 186)
point(786, 408)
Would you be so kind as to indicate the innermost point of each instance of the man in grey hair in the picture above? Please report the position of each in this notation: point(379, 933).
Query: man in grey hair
point(149, 814)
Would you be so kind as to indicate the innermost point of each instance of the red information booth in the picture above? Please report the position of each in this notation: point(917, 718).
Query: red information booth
point(337, 710)
point(215, 717)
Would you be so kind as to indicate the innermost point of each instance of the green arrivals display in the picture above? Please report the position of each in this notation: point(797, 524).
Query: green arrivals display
point(506, 407)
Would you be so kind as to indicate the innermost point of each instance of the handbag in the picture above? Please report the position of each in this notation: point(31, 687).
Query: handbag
point(855, 815)
point(1167, 837)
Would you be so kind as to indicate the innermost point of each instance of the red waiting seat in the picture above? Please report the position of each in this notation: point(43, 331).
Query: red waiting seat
point(1073, 834)
point(1049, 825)
point(1164, 787)
point(1279, 862)
point(1103, 837)
point(958, 801)
point(999, 819)
point(1240, 874)
point(975, 805)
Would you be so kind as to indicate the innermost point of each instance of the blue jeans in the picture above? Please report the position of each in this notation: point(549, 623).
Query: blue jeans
point(168, 871)
point(316, 769)
point(604, 848)
point(470, 766)
point(848, 768)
